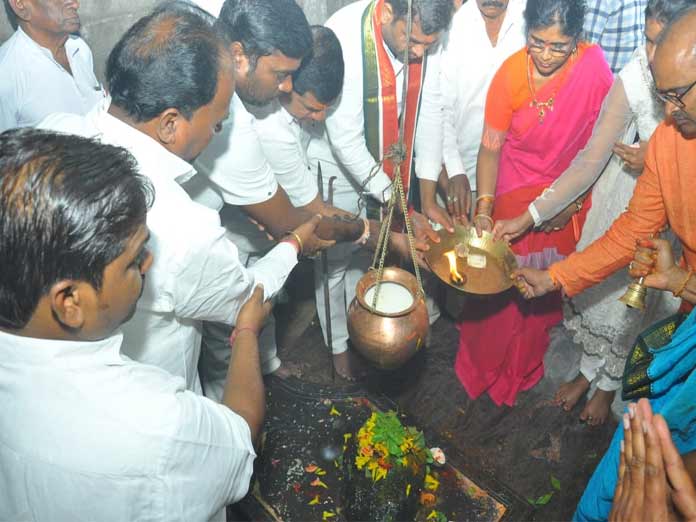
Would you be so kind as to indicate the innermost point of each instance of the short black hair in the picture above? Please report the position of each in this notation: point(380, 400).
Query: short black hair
point(170, 58)
point(664, 11)
point(68, 207)
point(322, 70)
point(434, 16)
point(11, 15)
point(569, 14)
point(266, 26)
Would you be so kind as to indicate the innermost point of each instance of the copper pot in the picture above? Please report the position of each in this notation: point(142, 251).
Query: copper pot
point(387, 340)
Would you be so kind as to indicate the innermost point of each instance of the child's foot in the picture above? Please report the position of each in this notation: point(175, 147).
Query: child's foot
point(569, 394)
point(597, 408)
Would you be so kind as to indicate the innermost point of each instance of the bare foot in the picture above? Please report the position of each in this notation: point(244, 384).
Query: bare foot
point(597, 408)
point(350, 366)
point(288, 369)
point(569, 393)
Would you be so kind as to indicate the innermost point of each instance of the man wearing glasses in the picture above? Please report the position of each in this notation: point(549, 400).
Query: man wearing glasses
point(664, 193)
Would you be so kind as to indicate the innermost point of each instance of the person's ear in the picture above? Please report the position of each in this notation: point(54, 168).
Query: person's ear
point(240, 60)
point(67, 303)
point(168, 126)
point(21, 8)
point(387, 14)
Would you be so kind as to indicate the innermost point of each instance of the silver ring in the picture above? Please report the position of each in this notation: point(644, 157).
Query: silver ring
point(455, 199)
point(450, 198)
point(630, 265)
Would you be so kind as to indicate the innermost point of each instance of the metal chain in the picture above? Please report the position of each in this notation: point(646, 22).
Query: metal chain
point(396, 154)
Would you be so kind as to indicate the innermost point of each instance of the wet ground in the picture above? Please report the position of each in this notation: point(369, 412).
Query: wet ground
point(541, 454)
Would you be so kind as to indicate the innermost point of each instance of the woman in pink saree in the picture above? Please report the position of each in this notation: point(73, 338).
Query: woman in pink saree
point(540, 111)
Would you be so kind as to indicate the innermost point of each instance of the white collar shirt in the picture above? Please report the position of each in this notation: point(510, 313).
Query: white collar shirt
point(33, 84)
point(275, 154)
point(468, 65)
point(87, 434)
point(344, 143)
point(196, 274)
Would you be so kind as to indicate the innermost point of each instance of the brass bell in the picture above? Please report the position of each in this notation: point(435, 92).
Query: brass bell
point(635, 295)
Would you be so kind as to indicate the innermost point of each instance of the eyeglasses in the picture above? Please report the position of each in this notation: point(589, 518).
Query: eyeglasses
point(557, 50)
point(674, 98)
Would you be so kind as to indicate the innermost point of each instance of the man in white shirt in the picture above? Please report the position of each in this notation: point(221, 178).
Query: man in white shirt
point(269, 40)
point(86, 433)
point(483, 35)
point(45, 67)
point(352, 146)
point(170, 94)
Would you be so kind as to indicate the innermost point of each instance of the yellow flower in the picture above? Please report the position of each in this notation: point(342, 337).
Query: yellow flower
point(334, 412)
point(314, 501)
point(432, 515)
point(361, 460)
point(408, 490)
point(346, 436)
point(431, 482)
point(327, 515)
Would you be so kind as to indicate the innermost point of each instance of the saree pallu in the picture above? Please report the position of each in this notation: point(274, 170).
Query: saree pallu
point(669, 383)
point(503, 339)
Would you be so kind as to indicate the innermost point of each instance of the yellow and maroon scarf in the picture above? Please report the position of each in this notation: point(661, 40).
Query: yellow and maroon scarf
point(380, 106)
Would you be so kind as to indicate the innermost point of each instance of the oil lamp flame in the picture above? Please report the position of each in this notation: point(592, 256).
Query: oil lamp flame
point(455, 276)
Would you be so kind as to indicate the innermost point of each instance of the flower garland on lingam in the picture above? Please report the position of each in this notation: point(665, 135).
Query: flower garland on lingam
point(383, 443)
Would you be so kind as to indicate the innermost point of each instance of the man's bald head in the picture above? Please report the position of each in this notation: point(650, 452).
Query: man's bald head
point(674, 68)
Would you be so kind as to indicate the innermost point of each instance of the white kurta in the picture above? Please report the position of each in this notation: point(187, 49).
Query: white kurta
point(87, 434)
point(196, 274)
point(244, 165)
point(33, 84)
point(468, 65)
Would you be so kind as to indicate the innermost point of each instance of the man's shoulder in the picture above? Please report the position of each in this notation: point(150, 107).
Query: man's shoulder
point(69, 124)
point(12, 57)
point(346, 21)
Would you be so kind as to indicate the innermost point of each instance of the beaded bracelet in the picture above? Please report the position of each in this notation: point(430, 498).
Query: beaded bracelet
point(237, 331)
point(682, 287)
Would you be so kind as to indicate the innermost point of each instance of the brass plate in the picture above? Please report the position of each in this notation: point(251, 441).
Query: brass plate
point(491, 279)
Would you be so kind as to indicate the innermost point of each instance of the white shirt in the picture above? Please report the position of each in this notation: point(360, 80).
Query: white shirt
point(33, 84)
point(469, 62)
point(196, 274)
point(88, 435)
point(274, 149)
point(344, 142)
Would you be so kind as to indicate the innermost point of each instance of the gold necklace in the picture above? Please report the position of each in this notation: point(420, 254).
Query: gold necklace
point(542, 106)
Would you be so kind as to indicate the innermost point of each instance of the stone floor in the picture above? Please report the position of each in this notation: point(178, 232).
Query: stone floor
point(522, 447)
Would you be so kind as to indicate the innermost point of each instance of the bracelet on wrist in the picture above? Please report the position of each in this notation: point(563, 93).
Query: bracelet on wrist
point(486, 197)
point(682, 287)
point(365, 235)
point(485, 216)
point(299, 241)
point(236, 331)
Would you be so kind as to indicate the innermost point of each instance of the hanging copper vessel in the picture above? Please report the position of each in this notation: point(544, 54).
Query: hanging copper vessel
point(391, 334)
point(473, 264)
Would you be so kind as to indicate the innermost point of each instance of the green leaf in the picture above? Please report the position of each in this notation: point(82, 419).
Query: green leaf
point(555, 483)
point(531, 501)
point(544, 499)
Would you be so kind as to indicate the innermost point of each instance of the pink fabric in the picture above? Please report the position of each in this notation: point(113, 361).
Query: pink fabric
point(503, 338)
point(536, 154)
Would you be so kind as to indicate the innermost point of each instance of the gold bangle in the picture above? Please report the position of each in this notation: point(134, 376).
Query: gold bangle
point(489, 218)
point(486, 197)
point(682, 287)
point(299, 241)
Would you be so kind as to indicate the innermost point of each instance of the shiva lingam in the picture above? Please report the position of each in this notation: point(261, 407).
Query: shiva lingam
point(473, 264)
point(635, 295)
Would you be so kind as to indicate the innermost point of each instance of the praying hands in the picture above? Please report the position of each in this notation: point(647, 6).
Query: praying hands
point(653, 483)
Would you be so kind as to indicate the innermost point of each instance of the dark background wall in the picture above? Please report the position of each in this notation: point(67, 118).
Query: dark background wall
point(104, 21)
